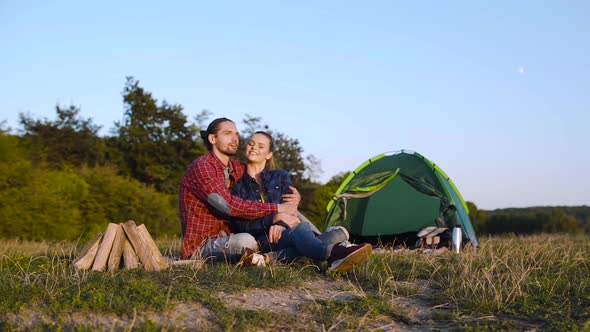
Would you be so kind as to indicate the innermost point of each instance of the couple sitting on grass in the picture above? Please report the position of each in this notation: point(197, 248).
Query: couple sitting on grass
point(248, 213)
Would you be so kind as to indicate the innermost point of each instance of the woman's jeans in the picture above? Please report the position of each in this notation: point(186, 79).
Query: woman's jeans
point(301, 241)
point(296, 242)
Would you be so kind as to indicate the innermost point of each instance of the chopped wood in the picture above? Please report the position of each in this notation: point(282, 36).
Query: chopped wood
point(156, 256)
point(189, 262)
point(124, 241)
point(92, 243)
point(102, 256)
point(86, 256)
point(130, 258)
point(117, 250)
point(141, 249)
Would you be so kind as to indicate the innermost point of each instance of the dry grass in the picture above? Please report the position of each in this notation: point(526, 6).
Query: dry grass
point(542, 279)
point(504, 271)
point(16, 247)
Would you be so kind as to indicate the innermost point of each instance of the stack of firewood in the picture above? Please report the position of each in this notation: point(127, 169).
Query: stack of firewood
point(125, 245)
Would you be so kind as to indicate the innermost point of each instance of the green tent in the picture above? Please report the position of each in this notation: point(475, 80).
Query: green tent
point(391, 197)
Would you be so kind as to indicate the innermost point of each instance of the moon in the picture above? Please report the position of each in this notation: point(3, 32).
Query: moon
point(521, 70)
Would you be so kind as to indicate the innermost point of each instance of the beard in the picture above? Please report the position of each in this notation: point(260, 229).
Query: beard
point(229, 151)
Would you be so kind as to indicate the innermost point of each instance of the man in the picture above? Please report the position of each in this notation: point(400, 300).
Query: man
point(206, 203)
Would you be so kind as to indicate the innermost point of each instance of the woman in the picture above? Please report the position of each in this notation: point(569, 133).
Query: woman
point(284, 237)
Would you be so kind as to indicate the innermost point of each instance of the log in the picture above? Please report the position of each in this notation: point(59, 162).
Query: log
point(86, 256)
point(117, 250)
point(130, 258)
point(89, 245)
point(102, 256)
point(187, 262)
point(140, 248)
point(156, 256)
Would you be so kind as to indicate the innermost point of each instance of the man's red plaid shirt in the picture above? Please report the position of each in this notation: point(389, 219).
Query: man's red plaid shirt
point(200, 221)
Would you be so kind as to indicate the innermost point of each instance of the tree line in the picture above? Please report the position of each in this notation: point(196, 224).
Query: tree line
point(60, 179)
point(531, 220)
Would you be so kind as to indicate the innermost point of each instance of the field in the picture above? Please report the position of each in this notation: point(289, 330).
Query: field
point(510, 283)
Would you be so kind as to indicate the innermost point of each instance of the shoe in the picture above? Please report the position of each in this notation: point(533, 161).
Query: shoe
point(342, 228)
point(252, 258)
point(346, 255)
point(426, 231)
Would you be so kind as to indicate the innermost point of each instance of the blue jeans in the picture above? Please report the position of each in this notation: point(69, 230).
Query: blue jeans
point(301, 241)
point(227, 248)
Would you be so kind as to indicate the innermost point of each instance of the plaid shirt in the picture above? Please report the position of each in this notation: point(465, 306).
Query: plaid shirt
point(200, 221)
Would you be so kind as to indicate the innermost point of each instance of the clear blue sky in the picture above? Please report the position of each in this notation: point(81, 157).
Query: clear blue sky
point(495, 92)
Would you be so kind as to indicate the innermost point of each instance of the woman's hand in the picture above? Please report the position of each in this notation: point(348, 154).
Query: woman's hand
point(275, 232)
point(293, 198)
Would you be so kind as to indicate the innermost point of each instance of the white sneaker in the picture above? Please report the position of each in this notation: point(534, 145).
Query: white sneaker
point(251, 258)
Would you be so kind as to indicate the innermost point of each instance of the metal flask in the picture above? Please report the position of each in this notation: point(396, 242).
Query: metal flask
point(457, 238)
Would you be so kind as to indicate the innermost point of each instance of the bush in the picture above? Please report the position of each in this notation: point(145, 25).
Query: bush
point(41, 203)
point(113, 198)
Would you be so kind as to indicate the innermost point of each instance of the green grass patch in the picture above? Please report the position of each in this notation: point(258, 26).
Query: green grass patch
point(347, 314)
point(491, 326)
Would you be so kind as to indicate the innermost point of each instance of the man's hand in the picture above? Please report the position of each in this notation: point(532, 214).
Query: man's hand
point(288, 208)
point(275, 232)
point(279, 216)
point(293, 198)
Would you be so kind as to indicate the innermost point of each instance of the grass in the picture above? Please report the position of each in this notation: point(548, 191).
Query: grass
point(508, 283)
point(542, 279)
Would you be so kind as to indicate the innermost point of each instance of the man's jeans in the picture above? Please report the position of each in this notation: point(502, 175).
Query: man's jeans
point(227, 248)
point(301, 241)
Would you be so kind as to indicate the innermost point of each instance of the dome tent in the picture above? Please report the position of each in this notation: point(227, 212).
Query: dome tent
point(392, 196)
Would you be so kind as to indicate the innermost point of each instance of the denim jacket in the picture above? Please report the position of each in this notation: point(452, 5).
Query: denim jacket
point(275, 183)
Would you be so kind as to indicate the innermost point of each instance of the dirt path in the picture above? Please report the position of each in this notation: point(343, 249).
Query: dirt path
point(414, 314)
point(287, 301)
